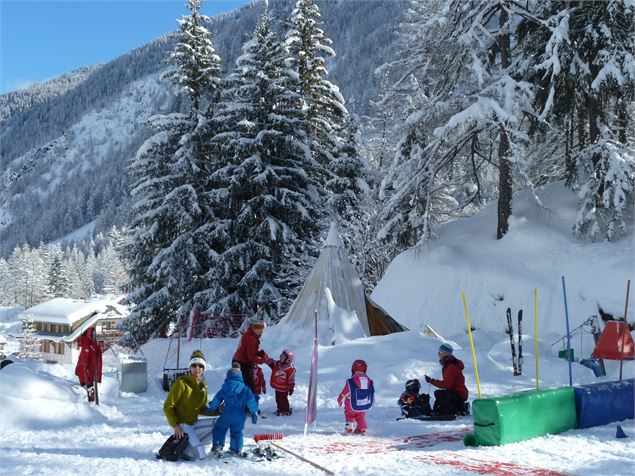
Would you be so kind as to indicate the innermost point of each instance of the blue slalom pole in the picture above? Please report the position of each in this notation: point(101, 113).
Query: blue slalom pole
point(566, 314)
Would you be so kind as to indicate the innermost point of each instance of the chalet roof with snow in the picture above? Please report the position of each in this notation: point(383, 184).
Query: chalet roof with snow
point(68, 311)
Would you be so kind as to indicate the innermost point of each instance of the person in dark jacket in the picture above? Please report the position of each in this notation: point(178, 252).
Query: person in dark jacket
point(248, 353)
point(237, 398)
point(451, 398)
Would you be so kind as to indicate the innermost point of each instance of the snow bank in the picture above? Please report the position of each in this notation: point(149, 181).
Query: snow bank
point(424, 285)
point(34, 400)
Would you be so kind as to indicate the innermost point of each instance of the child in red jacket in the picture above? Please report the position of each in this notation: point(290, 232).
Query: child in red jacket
point(283, 380)
point(259, 381)
point(357, 396)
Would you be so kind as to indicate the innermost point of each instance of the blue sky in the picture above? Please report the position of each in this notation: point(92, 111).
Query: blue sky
point(42, 39)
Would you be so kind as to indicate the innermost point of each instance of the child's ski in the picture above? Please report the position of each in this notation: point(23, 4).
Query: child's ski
point(520, 342)
point(510, 331)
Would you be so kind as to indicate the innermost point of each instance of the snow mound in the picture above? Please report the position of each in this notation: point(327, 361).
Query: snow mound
point(423, 285)
point(31, 400)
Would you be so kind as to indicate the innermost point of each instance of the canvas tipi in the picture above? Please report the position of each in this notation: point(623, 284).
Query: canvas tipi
point(334, 289)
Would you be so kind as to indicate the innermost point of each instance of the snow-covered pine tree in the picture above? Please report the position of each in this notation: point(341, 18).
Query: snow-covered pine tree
point(581, 57)
point(165, 259)
point(264, 200)
point(324, 105)
point(338, 167)
point(30, 276)
point(195, 64)
point(115, 277)
point(7, 296)
point(466, 108)
point(606, 172)
point(29, 343)
point(80, 274)
point(58, 281)
point(352, 202)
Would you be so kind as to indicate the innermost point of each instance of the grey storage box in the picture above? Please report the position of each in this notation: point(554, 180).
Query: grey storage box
point(132, 373)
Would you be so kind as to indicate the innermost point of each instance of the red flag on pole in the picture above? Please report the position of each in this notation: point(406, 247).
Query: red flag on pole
point(311, 403)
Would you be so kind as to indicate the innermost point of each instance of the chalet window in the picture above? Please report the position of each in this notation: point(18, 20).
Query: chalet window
point(61, 349)
point(44, 346)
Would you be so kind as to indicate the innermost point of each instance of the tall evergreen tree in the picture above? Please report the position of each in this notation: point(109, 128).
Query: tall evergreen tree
point(164, 257)
point(324, 105)
point(58, 282)
point(263, 198)
point(30, 347)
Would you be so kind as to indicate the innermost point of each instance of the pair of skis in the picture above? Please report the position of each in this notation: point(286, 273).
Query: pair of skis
point(517, 361)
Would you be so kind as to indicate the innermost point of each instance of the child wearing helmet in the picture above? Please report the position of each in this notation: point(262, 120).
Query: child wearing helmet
point(357, 396)
point(283, 380)
point(412, 403)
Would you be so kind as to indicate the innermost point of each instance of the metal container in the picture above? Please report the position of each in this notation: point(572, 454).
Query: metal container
point(132, 374)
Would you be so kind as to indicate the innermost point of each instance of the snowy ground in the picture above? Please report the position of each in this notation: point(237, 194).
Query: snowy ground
point(46, 425)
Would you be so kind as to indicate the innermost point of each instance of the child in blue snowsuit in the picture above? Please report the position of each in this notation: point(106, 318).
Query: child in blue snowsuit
point(237, 398)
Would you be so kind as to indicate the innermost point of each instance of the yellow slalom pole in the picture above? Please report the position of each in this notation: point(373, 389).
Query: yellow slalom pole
point(469, 331)
point(536, 335)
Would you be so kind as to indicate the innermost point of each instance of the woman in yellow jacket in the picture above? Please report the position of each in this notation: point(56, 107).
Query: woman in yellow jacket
point(187, 400)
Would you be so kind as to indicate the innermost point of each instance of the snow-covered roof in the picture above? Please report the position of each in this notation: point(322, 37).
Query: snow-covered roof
point(68, 311)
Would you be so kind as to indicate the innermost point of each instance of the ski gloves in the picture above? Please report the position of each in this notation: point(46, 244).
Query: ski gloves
point(427, 379)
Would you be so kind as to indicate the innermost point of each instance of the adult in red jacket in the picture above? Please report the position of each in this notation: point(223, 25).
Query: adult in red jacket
point(249, 354)
point(450, 400)
point(88, 368)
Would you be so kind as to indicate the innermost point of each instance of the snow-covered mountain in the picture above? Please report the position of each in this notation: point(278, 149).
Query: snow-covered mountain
point(66, 143)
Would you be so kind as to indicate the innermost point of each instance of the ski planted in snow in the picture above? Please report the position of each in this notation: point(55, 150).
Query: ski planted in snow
point(519, 363)
point(510, 331)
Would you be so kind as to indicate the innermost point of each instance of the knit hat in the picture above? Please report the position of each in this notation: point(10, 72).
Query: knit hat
point(198, 357)
point(445, 349)
point(235, 370)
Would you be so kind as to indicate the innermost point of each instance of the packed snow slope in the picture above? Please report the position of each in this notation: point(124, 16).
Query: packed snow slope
point(424, 285)
point(47, 426)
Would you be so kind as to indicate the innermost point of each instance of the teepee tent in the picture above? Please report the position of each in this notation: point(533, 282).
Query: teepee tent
point(335, 291)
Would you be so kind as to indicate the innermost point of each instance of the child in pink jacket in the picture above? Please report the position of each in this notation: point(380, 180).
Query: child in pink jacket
point(357, 397)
